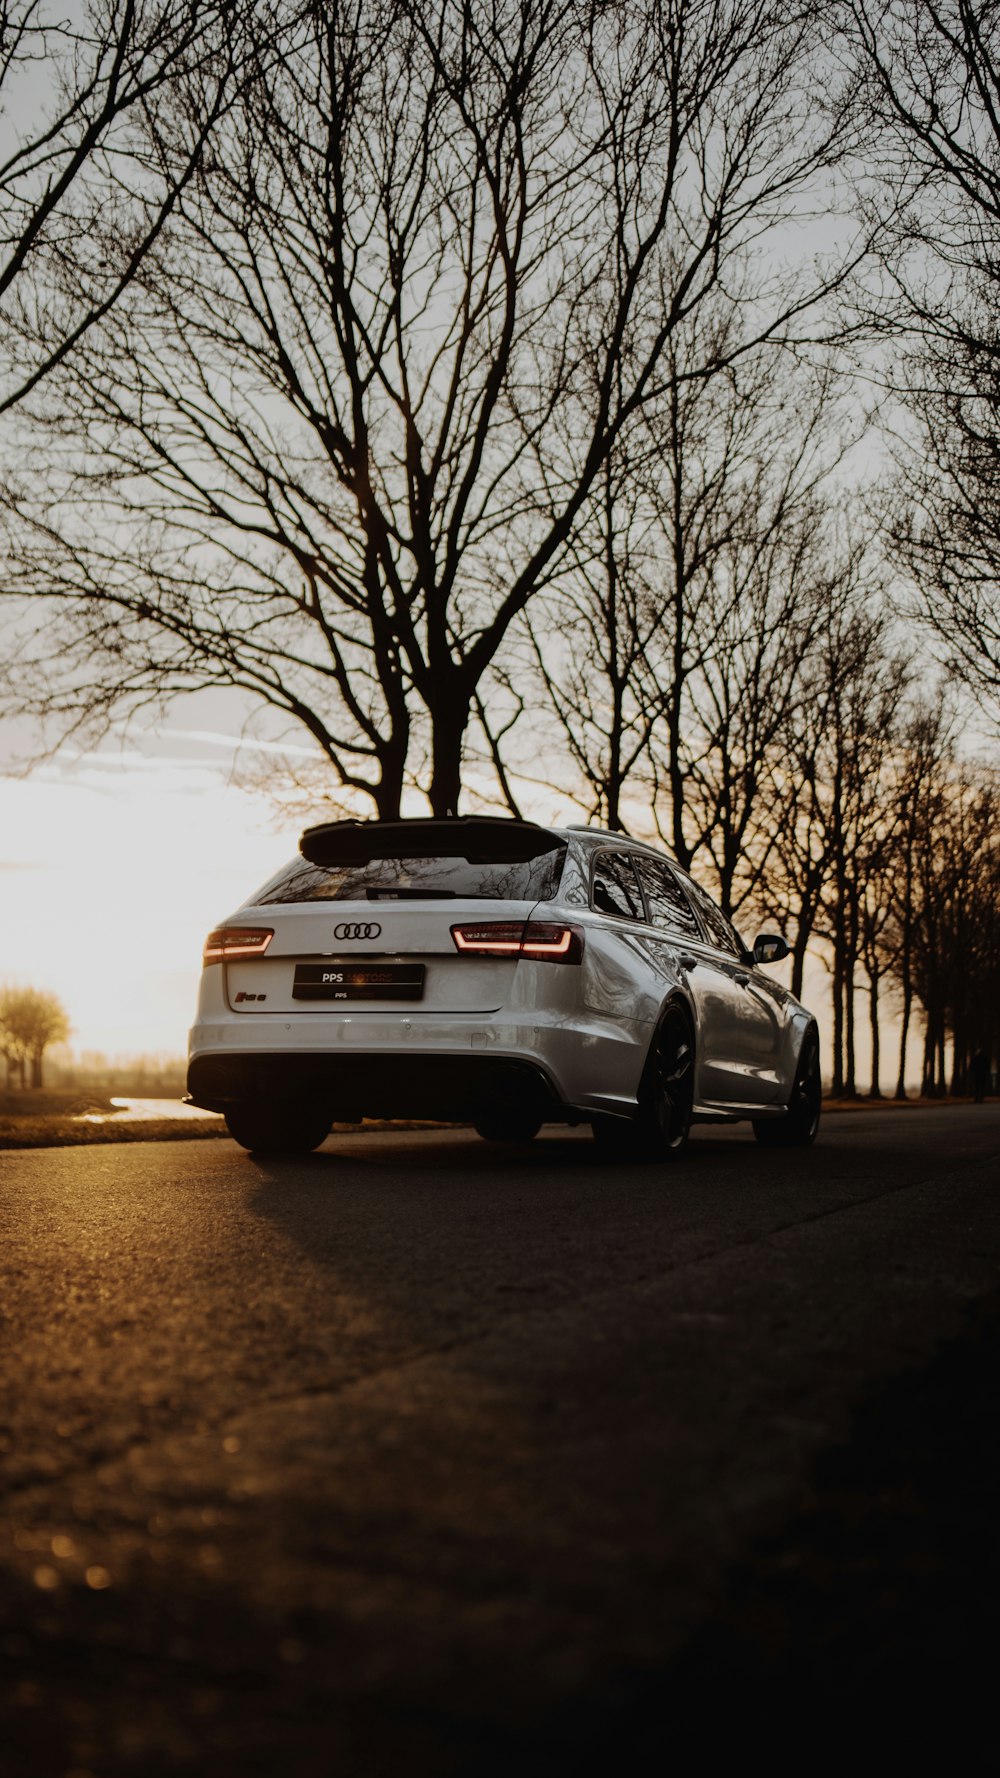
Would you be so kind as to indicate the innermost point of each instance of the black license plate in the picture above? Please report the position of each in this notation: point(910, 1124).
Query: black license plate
point(358, 981)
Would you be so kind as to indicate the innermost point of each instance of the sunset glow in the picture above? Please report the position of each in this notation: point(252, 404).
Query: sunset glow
point(112, 872)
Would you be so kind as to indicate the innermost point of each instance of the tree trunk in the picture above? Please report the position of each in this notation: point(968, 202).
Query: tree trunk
point(389, 790)
point(450, 722)
point(876, 1088)
point(850, 1079)
point(36, 1068)
point(959, 1062)
point(805, 919)
point(904, 1034)
point(838, 1026)
point(927, 1071)
point(799, 963)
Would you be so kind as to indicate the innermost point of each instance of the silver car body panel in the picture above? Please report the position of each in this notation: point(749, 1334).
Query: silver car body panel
point(585, 1029)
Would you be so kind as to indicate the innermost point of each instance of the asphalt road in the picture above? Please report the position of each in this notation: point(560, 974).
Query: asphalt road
point(420, 1457)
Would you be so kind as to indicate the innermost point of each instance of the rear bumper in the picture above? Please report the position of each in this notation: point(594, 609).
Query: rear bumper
point(454, 1089)
point(446, 1068)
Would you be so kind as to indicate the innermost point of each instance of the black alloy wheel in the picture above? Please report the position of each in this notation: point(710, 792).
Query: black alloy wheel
point(666, 1098)
point(279, 1127)
point(798, 1127)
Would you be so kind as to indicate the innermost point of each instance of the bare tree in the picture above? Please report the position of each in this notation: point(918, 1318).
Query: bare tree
point(829, 801)
point(924, 747)
point(347, 423)
point(931, 75)
point(754, 598)
point(877, 862)
point(947, 534)
point(861, 736)
point(669, 652)
point(80, 189)
point(931, 72)
point(956, 942)
point(592, 653)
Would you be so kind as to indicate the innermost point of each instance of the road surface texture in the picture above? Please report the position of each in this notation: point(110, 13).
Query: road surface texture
point(417, 1456)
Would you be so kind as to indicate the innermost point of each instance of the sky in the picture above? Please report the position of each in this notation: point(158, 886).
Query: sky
point(113, 868)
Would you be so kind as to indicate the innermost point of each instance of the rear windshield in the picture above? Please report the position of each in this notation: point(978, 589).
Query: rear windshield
point(396, 879)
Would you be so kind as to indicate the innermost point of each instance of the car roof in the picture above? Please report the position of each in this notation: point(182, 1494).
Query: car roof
point(602, 835)
point(595, 837)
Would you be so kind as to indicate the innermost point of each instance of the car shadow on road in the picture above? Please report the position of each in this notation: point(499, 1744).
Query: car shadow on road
point(415, 1218)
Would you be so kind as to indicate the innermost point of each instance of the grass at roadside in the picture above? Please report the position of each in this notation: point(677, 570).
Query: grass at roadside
point(37, 1119)
point(57, 1120)
point(862, 1103)
point(35, 1102)
point(66, 1132)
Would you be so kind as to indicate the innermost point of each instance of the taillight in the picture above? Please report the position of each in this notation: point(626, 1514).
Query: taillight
point(490, 939)
point(538, 940)
point(551, 942)
point(228, 942)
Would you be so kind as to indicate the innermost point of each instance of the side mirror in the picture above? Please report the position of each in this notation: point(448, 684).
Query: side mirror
point(769, 948)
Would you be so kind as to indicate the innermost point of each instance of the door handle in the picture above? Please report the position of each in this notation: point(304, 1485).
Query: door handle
point(740, 975)
point(686, 961)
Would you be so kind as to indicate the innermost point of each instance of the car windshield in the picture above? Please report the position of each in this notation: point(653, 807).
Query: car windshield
point(442, 878)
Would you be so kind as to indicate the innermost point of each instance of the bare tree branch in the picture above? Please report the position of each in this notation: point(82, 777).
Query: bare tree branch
point(419, 291)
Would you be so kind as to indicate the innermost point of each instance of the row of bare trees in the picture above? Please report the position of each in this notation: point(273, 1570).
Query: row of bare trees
point(328, 327)
point(342, 325)
point(930, 81)
point(440, 270)
point(779, 732)
point(475, 390)
point(903, 864)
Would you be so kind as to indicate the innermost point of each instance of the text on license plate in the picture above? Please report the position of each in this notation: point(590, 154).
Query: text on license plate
point(358, 981)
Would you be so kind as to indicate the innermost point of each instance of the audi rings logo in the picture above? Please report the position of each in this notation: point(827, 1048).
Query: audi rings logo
point(357, 929)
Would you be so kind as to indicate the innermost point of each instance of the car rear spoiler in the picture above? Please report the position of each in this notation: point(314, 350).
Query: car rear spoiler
point(487, 839)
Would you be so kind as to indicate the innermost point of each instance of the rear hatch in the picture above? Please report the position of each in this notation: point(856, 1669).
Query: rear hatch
point(363, 922)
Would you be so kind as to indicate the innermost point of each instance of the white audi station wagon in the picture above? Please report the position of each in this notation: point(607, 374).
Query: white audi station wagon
point(491, 971)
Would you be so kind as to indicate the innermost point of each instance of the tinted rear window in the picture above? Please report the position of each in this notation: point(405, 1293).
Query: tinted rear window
point(398, 879)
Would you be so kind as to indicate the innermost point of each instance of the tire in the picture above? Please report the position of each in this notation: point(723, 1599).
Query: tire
point(270, 1128)
point(798, 1127)
point(666, 1098)
point(507, 1126)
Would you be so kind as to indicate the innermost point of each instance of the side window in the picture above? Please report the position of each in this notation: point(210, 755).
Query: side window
point(668, 905)
point(615, 889)
point(720, 933)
